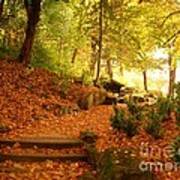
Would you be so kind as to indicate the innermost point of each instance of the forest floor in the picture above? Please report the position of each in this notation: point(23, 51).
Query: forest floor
point(27, 99)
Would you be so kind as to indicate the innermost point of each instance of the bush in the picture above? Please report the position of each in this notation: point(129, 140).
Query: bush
point(177, 102)
point(134, 109)
point(178, 115)
point(118, 120)
point(121, 122)
point(154, 125)
point(130, 127)
point(176, 149)
point(164, 107)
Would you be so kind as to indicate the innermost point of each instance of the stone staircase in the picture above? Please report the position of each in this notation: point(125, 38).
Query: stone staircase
point(41, 142)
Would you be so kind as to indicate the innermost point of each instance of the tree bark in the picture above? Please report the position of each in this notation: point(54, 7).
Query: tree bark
point(74, 55)
point(172, 77)
point(145, 80)
point(94, 53)
point(100, 41)
point(33, 13)
point(1, 7)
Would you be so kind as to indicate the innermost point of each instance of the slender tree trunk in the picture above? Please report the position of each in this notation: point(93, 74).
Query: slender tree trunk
point(1, 7)
point(94, 50)
point(109, 69)
point(100, 41)
point(33, 13)
point(74, 55)
point(145, 80)
point(172, 76)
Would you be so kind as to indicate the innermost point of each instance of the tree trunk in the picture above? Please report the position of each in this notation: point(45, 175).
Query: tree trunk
point(94, 50)
point(172, 77)
point(109, 69)
point(33, 13)
point(100, 41)
point(145, 81)
point(74, 55)
point(1, 7)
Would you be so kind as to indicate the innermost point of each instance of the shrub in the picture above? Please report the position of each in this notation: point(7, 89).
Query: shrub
point(121, 122)
point(178, 115)
point(154, 125)
point(176, 149)
point(177, 102)
point(130, 127)
point(164, 107)
point(118, 119)
point(134, 109)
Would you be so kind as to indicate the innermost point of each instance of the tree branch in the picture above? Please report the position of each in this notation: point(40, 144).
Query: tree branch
point(170, 15)
point(172, 37)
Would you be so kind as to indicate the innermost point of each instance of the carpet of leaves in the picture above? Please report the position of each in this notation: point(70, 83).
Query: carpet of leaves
point(23, 94)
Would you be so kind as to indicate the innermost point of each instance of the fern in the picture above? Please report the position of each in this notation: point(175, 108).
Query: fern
point(120, 122)
point(154, 125)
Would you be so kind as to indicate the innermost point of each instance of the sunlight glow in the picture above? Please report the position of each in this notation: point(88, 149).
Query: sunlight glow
point(160, 53)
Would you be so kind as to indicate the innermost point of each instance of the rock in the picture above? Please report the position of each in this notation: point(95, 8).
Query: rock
point(100, 96)
point(139, 99)
point(86, 102)
point(93, 98)
point(110, 99)
point(113, 86)
point(61, 109)
point(127, 90)
point(121, 100)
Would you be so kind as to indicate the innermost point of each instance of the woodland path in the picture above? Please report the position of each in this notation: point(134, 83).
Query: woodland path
point(97, 120)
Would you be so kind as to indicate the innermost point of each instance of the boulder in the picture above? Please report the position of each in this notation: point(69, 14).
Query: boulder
point(110, 99)
point(93, 98)
point(113, 86)
point(86, 102)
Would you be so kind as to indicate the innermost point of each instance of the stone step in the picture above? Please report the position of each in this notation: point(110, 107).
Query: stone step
point(42, 142)
point(42, 157)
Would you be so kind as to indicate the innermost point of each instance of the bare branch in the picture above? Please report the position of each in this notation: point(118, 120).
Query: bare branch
point(173, 37)
point(170, 15)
